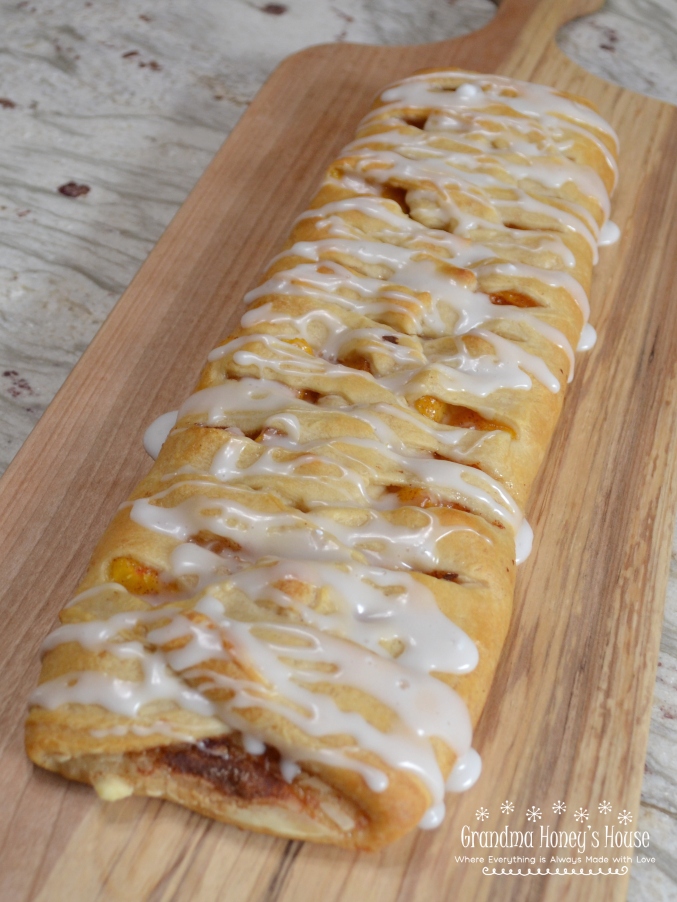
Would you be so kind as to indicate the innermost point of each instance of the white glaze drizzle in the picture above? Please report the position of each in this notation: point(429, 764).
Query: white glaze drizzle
point(588, 338)
point(440, 178)
point(449, 479)
point(371, 607)
point(156, 434)
point(539, 105)
point(318, 535)
point(245, 394)
point(609, 234)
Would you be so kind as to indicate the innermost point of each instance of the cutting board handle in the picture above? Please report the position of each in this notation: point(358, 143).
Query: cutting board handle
point(520, 32)
point(549, 15)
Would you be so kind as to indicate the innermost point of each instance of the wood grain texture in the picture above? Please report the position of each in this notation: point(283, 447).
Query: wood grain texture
point(569, 710)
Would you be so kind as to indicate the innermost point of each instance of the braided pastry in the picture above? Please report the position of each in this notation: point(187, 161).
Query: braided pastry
point(293, 623)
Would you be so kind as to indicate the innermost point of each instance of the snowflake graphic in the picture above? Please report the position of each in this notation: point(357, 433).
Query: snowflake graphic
point(507, 807)
point(534, 814)
point(482, 814)
point(604, 807)
point(581, 815)
point(625, 817)
point(559, 807)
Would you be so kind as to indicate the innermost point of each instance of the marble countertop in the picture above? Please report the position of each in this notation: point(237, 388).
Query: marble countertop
point(109, 114)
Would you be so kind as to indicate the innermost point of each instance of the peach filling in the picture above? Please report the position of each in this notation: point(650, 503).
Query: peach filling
point(299, 343)
point(455, 415)
point(215, 543)
point(440, 574)
point(399, 195)
point(307, 394)
point(431, 407)
point(513, 299)
point(418, 121)
point(137, 578)
point(356, 362)
point(415, 496)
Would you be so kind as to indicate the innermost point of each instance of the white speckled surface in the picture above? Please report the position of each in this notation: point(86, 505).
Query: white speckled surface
point(132, 99)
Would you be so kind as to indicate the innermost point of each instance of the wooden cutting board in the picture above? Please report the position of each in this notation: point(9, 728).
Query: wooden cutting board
point(568, 715)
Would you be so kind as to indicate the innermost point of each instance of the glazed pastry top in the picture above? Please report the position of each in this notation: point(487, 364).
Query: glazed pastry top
point(313, 557)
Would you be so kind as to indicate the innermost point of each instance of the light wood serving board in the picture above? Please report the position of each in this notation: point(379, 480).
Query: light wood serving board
point(568, 714)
